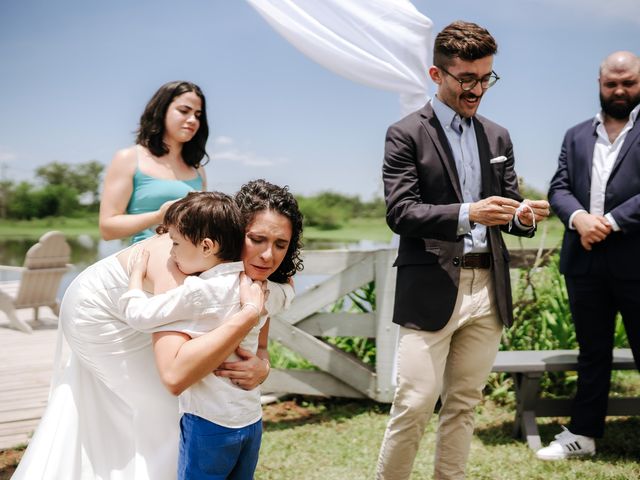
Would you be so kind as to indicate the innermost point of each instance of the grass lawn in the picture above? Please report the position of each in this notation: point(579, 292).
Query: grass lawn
point(71, 227)
point(357, 229)
point(319, 439)
point(549, 233)
point(340, 440)
point(374, 229)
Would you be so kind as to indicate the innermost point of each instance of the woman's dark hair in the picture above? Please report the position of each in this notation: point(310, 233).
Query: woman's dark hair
point(213, 215)
point(151, 131)
point(259, 195)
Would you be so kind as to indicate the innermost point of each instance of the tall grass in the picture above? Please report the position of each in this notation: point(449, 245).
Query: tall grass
point(542, 321)
point(361, 300)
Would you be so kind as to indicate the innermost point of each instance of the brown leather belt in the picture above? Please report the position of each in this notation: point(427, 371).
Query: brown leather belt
point(476, 260)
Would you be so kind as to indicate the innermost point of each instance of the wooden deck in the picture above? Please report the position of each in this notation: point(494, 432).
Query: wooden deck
point(26, 366)
point(26, 363)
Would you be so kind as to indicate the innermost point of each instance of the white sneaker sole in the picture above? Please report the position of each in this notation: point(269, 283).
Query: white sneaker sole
point(564, 457)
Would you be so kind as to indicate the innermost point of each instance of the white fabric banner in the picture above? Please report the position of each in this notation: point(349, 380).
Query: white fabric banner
point(380, 43)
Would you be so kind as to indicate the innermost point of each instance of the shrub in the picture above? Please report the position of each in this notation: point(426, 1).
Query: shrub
point(361, 300)
point(542, 321)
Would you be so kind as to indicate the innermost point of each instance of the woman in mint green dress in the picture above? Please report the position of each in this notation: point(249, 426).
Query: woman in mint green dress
point(163, 166)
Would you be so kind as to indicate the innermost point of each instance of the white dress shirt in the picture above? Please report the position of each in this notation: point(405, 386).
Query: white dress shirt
point(605, 154)
point(201, 304)
point(464, 146)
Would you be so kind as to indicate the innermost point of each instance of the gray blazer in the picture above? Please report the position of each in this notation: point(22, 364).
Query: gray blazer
point(423, 198)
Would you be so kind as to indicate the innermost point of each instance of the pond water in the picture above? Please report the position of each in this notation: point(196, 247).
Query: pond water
point(86, 250)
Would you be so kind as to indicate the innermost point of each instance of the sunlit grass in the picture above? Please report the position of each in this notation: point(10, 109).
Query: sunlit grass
point(71, 227)
point(340, 440)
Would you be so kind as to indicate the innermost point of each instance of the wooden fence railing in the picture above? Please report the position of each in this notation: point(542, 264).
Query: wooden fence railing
point(299, 327)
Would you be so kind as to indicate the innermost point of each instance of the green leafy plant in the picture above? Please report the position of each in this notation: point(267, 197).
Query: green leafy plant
point(542, 321)
point(281, 357)
point(362, 300)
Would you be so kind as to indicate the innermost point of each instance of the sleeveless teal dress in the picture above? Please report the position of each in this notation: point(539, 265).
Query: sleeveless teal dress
point(149, 193)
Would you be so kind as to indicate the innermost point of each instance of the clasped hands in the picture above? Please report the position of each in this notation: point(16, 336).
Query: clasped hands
point(498, 210)
point(592, 228)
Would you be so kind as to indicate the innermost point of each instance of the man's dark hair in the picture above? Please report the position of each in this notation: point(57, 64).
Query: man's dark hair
point(465, 40)
point(259, 195)
point(212, 215)
point(151, 131)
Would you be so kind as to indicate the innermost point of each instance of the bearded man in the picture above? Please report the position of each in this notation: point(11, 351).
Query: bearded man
point(596, 194)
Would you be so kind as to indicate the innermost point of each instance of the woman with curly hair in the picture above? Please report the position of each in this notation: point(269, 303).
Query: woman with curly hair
point(109, 415)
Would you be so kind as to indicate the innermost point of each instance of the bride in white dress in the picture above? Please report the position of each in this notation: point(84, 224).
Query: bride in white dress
point(109, 416)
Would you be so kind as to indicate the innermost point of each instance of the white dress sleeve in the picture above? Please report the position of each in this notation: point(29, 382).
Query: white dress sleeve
point(280, 297)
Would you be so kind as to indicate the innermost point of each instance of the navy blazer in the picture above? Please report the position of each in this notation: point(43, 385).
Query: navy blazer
point(570, 191)
point(423, 197)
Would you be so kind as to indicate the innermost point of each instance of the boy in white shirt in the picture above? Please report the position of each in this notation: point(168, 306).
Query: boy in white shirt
point(207, 232)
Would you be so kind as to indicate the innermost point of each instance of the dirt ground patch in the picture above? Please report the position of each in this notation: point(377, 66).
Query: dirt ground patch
point(286, 411)
point(9, 461)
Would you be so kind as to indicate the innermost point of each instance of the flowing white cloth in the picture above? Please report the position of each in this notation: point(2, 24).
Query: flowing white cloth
point(109, 416)
point(380, 43)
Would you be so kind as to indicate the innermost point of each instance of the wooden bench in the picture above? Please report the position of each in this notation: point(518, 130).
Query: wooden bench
point(527, 367)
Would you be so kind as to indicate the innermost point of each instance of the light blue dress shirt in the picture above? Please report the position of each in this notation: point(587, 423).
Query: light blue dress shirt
point(464, 145)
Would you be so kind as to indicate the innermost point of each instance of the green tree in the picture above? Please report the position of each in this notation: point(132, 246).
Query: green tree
point(21, 203)
point(527, 191)
point(6, 187)
point(85, 178)
point(55, 173)
point(88, 179)
point(330, 210)
point(56, 201)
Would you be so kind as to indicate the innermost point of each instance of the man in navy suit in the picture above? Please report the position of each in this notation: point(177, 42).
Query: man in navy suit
point(596, 194)
point(450, 187)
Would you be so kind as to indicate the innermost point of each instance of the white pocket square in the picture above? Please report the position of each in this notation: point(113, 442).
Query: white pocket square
point(500, 159)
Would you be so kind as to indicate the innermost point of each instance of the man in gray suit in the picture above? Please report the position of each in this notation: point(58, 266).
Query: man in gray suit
point(450, 187)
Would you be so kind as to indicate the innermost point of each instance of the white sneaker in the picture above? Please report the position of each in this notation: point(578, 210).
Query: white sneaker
point(567, 445)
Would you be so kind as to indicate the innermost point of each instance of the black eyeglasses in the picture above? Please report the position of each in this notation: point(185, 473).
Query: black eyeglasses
point(487, 81)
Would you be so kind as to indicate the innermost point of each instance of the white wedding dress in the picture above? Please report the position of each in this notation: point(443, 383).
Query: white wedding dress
point(109, 416)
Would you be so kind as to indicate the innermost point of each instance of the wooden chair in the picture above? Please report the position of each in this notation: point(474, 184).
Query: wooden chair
point(44, 266)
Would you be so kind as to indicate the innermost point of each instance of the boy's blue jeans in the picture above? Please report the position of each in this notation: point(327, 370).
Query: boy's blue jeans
point(212, 452)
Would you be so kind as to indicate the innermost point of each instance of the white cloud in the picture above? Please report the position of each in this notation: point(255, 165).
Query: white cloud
point(222, 140)
point(225, 151)
point(6, 155)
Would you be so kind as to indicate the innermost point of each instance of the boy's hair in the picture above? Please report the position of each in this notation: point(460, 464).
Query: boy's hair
point(465, 40)
point(212, 215)
point(259, 195)
point(152, 128)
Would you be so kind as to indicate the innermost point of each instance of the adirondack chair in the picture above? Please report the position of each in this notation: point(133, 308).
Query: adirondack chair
point(44, 265)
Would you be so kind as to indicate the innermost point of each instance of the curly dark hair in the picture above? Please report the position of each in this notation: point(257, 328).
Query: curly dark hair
point(258, 195)
point(150, 133)
point(465, 40)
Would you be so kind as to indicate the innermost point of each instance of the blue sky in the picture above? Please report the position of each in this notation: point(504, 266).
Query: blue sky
point(75, 76)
